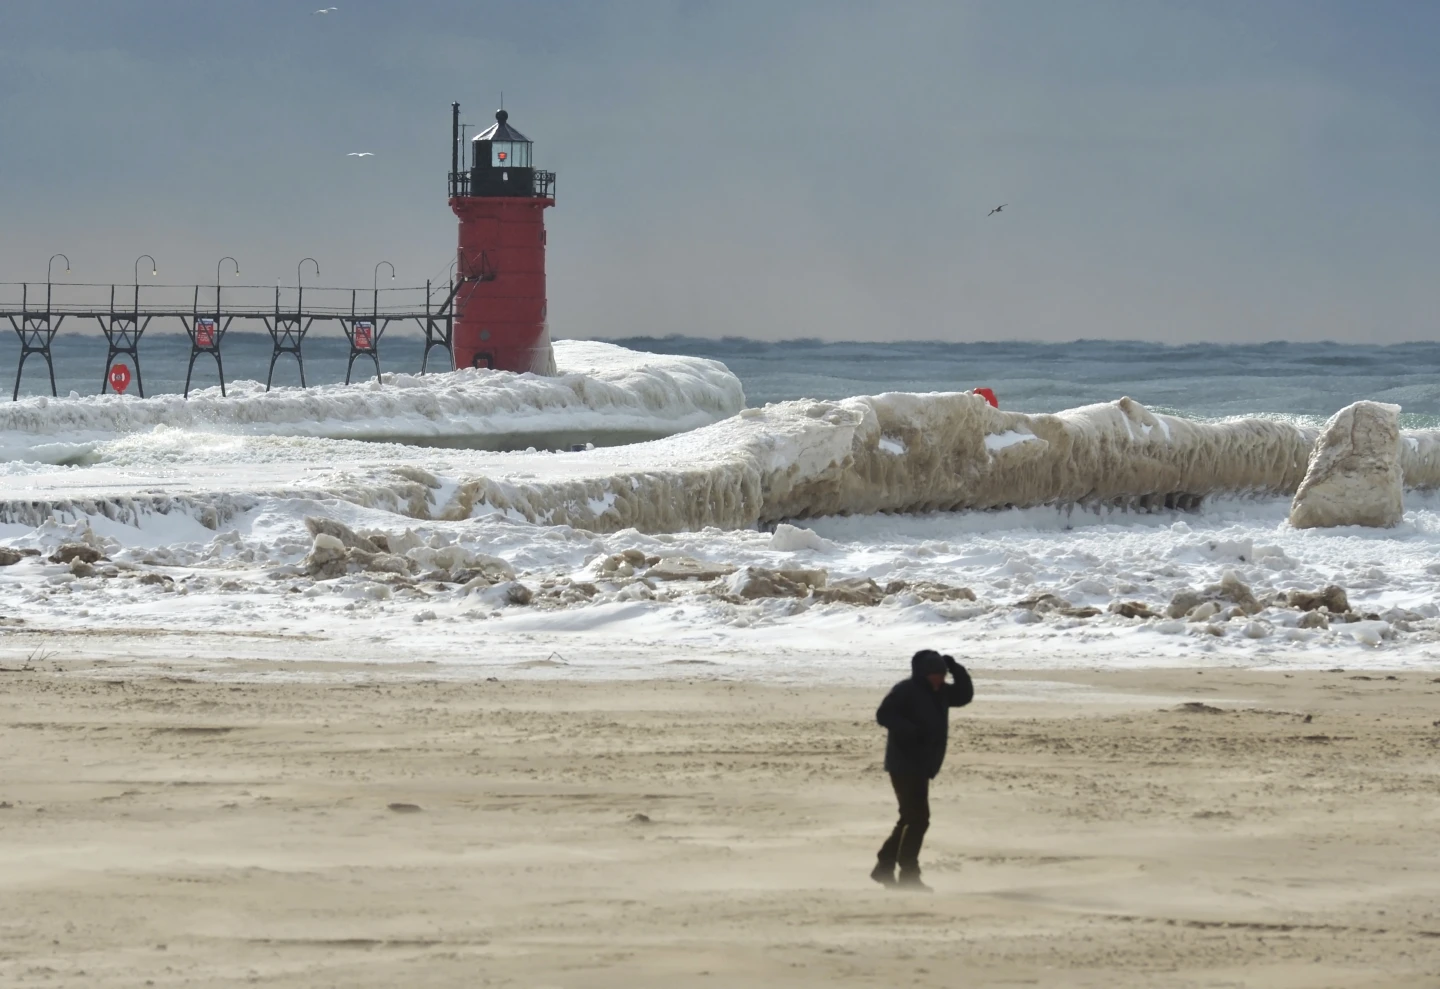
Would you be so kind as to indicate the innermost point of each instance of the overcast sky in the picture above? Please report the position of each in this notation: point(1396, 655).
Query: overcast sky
point(1176, 170)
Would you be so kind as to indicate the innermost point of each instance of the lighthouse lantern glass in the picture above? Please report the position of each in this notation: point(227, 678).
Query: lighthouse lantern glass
point(510, 154)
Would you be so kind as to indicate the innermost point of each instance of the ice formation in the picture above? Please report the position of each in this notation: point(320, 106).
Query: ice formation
point(786, 461)
point(757, 542)
point(601, 388)
point(1020, 588)
point(1354, 476)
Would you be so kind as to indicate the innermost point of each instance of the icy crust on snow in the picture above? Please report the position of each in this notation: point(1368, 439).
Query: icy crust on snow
point(837, 598)
point(600, 387)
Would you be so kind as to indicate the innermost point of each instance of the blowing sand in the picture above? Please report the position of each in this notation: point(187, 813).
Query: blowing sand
point(360, 831)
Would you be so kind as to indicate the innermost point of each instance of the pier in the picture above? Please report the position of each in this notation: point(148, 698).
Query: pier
point(40, 311)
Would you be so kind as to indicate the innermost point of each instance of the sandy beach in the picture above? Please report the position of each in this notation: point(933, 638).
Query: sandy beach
point(375, 828)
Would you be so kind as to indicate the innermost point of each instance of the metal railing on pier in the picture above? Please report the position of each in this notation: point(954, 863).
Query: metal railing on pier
point(37, 311)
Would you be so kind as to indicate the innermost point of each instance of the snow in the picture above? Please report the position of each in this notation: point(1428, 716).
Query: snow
point(601, 389)
point(790, 460)
point(205, 531)
point(1009, 438)
point(224, 590)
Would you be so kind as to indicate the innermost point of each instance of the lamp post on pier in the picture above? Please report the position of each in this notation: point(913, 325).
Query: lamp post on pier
point(154, 270)
point(217, 280)
point(47, 276)
point(299, 288)
point(374, 288)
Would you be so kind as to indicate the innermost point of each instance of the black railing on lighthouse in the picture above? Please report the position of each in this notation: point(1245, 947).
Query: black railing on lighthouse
point(543, 188)
point(460, 177)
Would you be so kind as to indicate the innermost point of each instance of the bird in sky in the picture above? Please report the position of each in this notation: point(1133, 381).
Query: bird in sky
point(997, 209)
point(325, 10)
point(360, 154)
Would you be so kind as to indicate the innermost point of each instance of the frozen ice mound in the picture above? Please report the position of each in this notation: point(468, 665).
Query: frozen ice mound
point(786, 461)
point(600, 387)
point(1354, 476)
point(802, 459)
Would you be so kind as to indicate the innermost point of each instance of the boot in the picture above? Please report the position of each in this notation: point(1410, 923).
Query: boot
point(910, 882)
point(883, 874)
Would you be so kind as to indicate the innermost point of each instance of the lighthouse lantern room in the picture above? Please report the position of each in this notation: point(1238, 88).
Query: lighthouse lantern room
point(500, 198)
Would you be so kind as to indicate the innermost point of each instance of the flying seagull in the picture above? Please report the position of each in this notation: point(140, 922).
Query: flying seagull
point(997, 209)
point(325, 10)
point(360, 154)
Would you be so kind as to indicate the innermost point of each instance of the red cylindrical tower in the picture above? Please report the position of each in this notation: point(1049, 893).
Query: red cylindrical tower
point(500, 313)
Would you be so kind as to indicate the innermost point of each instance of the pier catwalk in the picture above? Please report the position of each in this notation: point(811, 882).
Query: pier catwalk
point(38, 312)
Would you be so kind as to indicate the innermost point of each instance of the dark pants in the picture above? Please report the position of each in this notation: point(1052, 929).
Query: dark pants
point(902, 848)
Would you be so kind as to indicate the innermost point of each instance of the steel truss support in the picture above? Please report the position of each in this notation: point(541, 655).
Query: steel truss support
point(208, 342)
point(439, 326)
point(364, 340)
point(361, 347)
point(36, 332)
point(287, 336)
point(122, 333)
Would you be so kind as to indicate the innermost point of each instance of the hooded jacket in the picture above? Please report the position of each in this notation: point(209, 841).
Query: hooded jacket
point(918, 716)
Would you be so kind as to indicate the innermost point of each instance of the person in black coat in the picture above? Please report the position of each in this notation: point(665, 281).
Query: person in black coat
point(917, 714)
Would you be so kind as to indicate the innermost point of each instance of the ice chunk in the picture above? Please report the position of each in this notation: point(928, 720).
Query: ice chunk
point(1355, 475)
point(327, 557)
point(688, 568)
point(1368, 632)
point(757, 582)
point(792, 538)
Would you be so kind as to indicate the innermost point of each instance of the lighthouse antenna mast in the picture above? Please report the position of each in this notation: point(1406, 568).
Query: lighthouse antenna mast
point(454, 149)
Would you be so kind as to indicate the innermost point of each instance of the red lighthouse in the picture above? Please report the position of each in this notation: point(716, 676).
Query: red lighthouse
point(500, 317)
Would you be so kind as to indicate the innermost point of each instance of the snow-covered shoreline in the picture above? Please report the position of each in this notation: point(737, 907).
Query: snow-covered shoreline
point(1036, 541)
